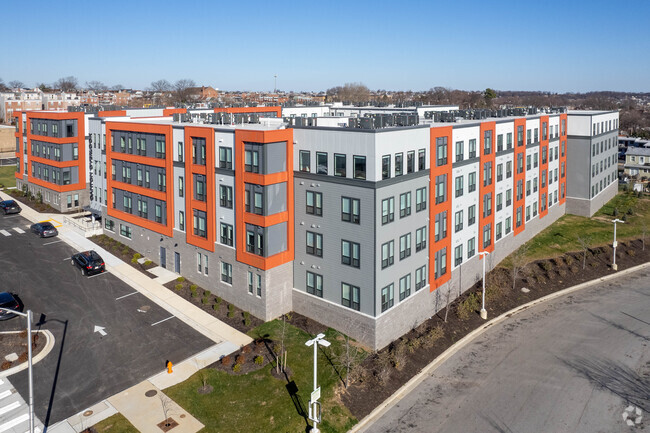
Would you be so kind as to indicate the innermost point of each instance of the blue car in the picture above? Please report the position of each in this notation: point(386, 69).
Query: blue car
point(44, 229)
point(9, 206)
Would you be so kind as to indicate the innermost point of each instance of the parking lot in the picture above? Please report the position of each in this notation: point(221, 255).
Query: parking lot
point(87, 364)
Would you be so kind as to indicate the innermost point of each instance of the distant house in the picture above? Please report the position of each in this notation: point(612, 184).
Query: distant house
point(203, 93)
point(637, 161)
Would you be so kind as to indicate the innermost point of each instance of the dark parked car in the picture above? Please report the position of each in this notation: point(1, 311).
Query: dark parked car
point(44, 229)
point(9, 206)
point(7, 300)
point(89, 262)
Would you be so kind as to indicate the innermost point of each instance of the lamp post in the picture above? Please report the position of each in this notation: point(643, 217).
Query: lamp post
point(483, 254)
point(614, 265)
point(315, 395)
point(28, 316)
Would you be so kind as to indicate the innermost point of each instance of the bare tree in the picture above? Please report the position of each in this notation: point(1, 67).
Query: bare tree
point(3, 86)
point(16, 84)
point(450, 286)
point(182, 90)
point(584, 243)
point(67, 84)
point(96, 86)
point(518, 260)
point(117, 87)
point(348, 358)
point(167, 405)
point(160, 86)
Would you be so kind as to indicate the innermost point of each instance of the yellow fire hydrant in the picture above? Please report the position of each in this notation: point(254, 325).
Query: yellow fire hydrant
point(169, 367)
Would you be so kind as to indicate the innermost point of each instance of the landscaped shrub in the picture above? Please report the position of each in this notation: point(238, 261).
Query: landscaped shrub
point(236, 368)
point(180, 279)
point(147, 262)
point(240, 359)
point(468, 306)
point(218, 300)
point(137, 256)
point(433, 335)
point(259, 360)
point(134, 260)
point(246, 349)
point(231, 311)
point(630, 211)
point(399, 355)
point(413, 344)
point(178, 286)
point(215, 306)
point(205, 300)
point(5, 365)
point(247, 318)
point(615, 212)
point(226, 360)
point(207, 293)
point(193, 287)
point(547, 266)
point(193, 291)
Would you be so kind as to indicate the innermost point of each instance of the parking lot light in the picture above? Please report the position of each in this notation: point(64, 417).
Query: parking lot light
point(483, 254)
point(614, 265)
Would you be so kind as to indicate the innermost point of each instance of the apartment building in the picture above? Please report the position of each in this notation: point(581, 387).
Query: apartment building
point(361, 227)
point(637, 162)
point(593, 178)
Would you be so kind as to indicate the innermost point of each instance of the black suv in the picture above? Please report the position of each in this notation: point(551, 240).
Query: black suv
point(44, 229)
point(9, 206)
point(7, 300)
point(89, 262)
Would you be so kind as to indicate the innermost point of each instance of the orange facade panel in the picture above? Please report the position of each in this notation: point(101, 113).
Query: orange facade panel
point(484, 190)
point(519, 178)
point(438, 208)
point(241, 177)
point(563, 150)
point(168, 195)
point(543, 166)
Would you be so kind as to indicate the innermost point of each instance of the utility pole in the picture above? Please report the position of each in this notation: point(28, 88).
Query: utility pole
point(314, 405)
point(275, 83)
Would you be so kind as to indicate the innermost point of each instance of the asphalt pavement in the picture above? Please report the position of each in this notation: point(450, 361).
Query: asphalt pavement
point(578, 363)
point(135, 341)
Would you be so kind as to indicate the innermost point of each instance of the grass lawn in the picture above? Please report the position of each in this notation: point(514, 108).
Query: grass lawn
point(7, 177)
point(115, 424)
point(258, 401)
point(562, 236)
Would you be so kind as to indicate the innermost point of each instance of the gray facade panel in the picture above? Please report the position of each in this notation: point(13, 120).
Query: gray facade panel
point(275, 198)
point(275, 159)
point(276, 239)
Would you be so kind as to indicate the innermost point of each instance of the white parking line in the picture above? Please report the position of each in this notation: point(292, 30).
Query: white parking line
point(122, 297)
point(9, 407)
point(97, 275)
point(4, 394)
point(5, 232)
point(163, 320)
point(19, 230)
point(68, 258)
point(53, 242)
point(14, 422)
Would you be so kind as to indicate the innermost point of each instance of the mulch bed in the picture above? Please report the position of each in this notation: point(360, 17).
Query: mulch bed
point(385, 372)
point(16, 343)
point(34, 204)
point(246, 357)
point(214, 305)
point(122, 252)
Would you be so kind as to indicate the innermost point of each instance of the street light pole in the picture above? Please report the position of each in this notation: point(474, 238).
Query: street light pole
point(483, 254)
point(28, 316)
point(614, 265)
point(315, 342)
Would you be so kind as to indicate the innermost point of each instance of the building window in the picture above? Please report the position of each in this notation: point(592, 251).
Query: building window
point(314, 203)
point(350, 210)
point(422, 153)
point(458, 255)
point(441, 188)
point(499, 201)
point(160, 148)
point(158, 210)
point(259, 285)
point(109, 225)
point(199, 265)
point(399, 167)
point(487, 235)
point(387, 254)
point(460, 150)
point(359, 167)
point(199, 188)
point(321, 163)
point(252, 161)
point(440, 263)
point(388, 210)
point(420, 199)
point(487, 174)
point(350, 296)
point(420, 278)
point(181, 185)
point(472, 148)
point(404, 246)
point(499, 172)
point(441, 151)
point(200, 224)
point(125, 231)
point(520, 163)
point(350, 253)
point(404, 287)
point(305, 161)
point(459, 186)
point(315, 244)
point(440, 226)
point(458, 221)
point(471, 215)
point(405, 204)
point(385, 167)
point(471, 182)
point(498, 231)
point(410, 161)
point(226, 234)
point(520, 135)
point(226, 273)
point(181, 220)
point(314, 284)
point(420, 239)
point(180, 151)
point(487, 142)
point(471, 247)
point(198, 151)
point(387, 299)
point(339, 165)
point(225, 158)
point(255, 240)
point(499, 142)
point(250, 282)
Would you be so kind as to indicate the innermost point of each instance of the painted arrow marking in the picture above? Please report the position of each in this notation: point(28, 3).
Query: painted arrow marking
point(141, 311)
point(100, 329)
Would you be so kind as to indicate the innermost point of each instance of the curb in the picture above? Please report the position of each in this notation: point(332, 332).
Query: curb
point(49, 345)
point(415, 380)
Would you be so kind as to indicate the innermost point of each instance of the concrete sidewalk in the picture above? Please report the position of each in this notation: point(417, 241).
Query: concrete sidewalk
point(142, 411)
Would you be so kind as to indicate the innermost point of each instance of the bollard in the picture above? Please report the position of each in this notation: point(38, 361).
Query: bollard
point(169, 367)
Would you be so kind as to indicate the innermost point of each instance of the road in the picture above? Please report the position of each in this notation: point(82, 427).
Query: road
point(85, 366)
point(574, 364)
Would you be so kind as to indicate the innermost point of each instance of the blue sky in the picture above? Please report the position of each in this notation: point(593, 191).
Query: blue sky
point(558, 46)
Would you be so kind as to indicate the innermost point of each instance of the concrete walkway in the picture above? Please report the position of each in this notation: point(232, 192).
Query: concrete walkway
point(142, 411)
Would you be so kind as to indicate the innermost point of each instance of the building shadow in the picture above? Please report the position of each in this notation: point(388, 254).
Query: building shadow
point(619, 326)
point(614, 377)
